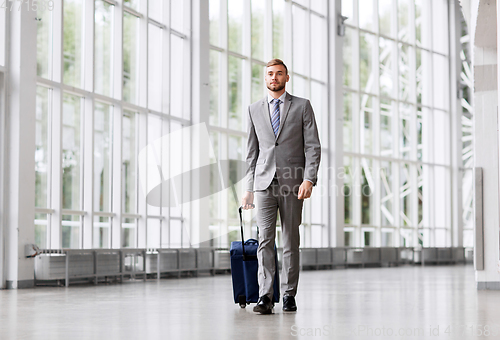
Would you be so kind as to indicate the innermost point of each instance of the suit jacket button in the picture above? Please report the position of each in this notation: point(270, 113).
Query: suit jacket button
point(276, 144)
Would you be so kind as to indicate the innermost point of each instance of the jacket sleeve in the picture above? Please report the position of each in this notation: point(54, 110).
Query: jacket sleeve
point(252, 153)
point(312, 146)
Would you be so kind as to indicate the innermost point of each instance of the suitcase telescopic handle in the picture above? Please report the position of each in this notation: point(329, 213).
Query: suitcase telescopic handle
point(240, 209)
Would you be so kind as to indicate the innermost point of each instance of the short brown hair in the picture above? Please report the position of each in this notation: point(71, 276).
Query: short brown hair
point(274, 62)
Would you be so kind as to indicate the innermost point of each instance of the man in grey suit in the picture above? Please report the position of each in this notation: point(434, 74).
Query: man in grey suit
point(283, 159)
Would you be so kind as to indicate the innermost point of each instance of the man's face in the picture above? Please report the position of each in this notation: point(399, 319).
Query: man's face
point(276, 78)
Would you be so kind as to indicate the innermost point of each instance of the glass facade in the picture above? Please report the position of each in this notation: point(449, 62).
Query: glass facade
point(397, 149)
point(126, 82)
point(108, 105)
point(242, 41)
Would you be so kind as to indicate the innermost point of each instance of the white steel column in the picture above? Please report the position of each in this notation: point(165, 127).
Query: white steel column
point(55, 146)
point(188, 228)
point(116, 187)
point(2, 177)
point(200, 114)
point(20, 149)
point(456, 125)
point(88, 125)
point(335, 123)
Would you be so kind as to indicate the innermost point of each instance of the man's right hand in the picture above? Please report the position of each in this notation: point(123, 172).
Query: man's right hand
point(247, 201)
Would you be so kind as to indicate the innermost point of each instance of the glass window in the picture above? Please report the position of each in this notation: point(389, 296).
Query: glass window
point(103, 44)
point(404, 72)
point(347, 53)
point(386, 140)
point(366, 120)
point(319, 6)
point(405, 113)
point(72, 42)
point(441, 195)
point(42, 147)
point(319, 104)
point(300, 39)
point(404, 32)
point(175, 235)
point(102, 233)
point(235, 153)
point(349, 238)
point(366, 15)
point(367, 73)
point(129, 162)
point(214, 87)
point(102, 157)
point(155, 67)
point(72, 152)
point(134, 4)
point(319, 69)
point(44, 42)
point(405, 195)
point(214, 14)
point(385, 17)
point(177, 156)
point(71, 229)
point(440, 81)
point(348, 11)
point(386, 195)
point(422, 185)
point(440, 26)
point(215, 180)
point(154, 162)
point(278, 28)
point(258, 15)
point(441, 144)
point(423, 74)
point(422, 23)
point(299, 86)
point(387, 52)
point(367, 191)
point(259, 89)
point(235, 92)
point(129, 233)
point(177, 15)
point(348, 127)
point(387, 238)
point(177, 76)
point(153, 233)
point(368, 238)
point(130, 57)
point(41, 229)
point(348, 190)
point(155, 10)
point(235, 25)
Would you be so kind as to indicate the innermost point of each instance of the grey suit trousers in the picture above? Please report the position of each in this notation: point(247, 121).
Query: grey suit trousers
point(269, 201)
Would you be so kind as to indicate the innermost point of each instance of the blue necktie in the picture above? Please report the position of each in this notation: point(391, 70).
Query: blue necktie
point(275, 118)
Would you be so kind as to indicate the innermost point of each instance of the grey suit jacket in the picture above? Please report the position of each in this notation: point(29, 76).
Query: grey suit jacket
point(294, 154)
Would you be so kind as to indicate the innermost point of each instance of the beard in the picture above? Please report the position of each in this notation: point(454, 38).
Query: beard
point(277, 87)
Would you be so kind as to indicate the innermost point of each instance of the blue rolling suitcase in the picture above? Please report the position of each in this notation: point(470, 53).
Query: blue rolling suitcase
point(244, 267)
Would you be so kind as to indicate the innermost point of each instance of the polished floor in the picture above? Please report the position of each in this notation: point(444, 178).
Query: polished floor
point(407, 302)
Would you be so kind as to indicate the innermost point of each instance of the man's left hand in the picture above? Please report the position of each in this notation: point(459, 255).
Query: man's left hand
point(305, 190)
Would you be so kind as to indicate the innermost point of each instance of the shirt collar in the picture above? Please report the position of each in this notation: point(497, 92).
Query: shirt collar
point(282, 97)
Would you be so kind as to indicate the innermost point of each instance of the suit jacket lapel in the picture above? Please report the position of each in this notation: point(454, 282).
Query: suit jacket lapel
point(286, 108)
point(266, 116)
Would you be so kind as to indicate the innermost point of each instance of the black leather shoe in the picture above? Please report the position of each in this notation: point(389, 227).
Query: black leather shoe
point(289, 304)
point(264, 305)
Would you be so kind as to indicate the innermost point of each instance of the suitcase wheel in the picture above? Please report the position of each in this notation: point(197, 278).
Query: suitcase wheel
point(242, 300)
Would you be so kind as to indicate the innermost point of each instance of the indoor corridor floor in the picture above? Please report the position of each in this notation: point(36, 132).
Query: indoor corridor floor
point(406, 302)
